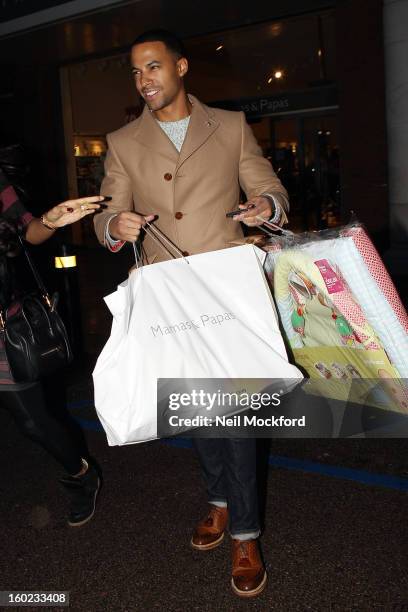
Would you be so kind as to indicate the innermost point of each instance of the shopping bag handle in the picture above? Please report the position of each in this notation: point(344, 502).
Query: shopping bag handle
point(159, 237)
point(273, 227)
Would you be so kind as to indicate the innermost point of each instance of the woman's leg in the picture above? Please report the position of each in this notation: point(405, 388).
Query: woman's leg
point(30, 413)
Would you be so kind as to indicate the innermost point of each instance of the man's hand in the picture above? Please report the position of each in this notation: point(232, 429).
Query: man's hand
point(260, 207)
point(127, 225)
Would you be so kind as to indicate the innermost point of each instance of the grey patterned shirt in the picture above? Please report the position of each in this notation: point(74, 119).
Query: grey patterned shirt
point(176, 131)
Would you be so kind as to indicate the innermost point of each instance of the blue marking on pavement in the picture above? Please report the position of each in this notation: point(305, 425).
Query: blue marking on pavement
point(80, 404)
point(88, 424)
point(360, 476)
point(179, 442)
point(368, 478)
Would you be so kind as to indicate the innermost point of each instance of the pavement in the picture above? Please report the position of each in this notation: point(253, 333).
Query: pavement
point(334, 514)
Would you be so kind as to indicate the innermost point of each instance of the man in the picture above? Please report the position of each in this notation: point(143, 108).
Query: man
point(186, 162)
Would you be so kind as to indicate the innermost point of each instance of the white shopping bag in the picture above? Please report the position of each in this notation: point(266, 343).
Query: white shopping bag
point(205, 316)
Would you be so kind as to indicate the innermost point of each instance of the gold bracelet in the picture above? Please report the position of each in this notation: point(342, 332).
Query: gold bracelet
point(47, 224)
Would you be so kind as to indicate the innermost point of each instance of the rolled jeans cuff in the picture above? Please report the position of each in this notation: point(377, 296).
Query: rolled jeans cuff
point(221, 503)
point(247, 535)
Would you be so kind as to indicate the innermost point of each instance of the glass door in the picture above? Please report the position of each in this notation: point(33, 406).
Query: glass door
point(304, 152)
point(321, 172)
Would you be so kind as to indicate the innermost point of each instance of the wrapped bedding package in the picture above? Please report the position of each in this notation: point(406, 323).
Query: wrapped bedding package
point(341, 315)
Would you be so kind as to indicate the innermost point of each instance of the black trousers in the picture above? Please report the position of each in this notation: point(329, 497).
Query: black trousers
point(29, 411)
point(229, 470)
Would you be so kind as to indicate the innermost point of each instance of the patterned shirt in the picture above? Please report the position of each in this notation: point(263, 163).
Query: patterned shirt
point(10, 208)
point(176, 131)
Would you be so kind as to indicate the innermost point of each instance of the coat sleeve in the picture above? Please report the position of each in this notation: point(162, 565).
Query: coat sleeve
point(256, 175)
point(116, 184)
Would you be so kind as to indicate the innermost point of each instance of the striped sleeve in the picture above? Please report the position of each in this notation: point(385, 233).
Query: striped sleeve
point(10, 205)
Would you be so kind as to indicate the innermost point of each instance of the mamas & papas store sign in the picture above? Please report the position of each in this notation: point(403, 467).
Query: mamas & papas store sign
point(308, 100)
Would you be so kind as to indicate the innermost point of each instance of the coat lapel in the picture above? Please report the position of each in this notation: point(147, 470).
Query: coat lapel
point(202, 125)
point(150, 135)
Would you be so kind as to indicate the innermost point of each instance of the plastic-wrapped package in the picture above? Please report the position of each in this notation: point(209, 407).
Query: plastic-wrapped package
point(340, 312)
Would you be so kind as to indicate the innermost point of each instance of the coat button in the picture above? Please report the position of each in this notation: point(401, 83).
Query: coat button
point(179, 215)
point(168, 176)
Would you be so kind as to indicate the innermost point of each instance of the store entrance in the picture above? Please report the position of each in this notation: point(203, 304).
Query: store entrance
point(304, 152)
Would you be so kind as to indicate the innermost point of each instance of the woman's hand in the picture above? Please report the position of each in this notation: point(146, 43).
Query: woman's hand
point(72, 210)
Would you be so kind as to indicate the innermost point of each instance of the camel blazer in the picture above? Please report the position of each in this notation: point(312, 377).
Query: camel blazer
point(191, 191)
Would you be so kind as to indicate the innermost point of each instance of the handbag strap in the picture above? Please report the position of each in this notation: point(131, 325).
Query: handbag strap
point(37, 277)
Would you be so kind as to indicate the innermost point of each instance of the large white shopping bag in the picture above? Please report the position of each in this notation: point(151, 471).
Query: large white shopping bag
point(205, 316)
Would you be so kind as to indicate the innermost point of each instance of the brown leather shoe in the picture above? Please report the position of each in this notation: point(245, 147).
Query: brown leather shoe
point(248, 571)
point(209, 532)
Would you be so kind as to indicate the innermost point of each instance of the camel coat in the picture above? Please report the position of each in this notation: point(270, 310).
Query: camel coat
point(191, 191)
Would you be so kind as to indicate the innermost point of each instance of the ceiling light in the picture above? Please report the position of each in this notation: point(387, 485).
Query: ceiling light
point(219, 47)
point(276, 29)
point(270, 80)
point(278, 74)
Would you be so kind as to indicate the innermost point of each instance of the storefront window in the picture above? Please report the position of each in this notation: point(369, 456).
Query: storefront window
point(264, 59)
point(305, 155)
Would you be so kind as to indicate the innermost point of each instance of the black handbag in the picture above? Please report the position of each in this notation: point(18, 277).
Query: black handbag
point(35, 338)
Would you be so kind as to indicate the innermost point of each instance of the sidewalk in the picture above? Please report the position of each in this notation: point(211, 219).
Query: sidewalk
point(329, 543)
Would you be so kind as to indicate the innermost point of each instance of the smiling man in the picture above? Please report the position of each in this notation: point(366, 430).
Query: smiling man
point(186, 163)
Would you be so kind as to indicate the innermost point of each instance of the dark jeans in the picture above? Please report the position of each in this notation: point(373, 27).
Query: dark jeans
point(229, 470)
point(28, 409)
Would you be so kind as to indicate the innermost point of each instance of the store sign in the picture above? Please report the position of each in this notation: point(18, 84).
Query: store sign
point(322, 97)
point(266, 106)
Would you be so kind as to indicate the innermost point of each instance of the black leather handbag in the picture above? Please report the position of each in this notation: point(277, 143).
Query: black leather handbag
point(35, 338)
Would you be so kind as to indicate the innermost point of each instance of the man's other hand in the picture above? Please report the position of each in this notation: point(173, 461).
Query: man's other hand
point(127, 225)
point(260, 207)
